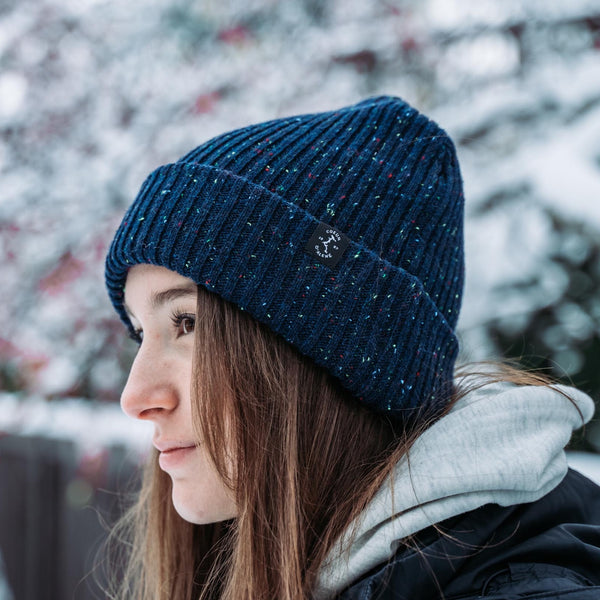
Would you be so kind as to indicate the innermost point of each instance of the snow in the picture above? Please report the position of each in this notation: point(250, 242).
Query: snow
point(565, 172)
point(13, 89)
point(452, 15)
point(91, 426)
point(586, 463)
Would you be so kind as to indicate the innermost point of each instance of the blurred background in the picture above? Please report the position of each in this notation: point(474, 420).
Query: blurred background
point(94, 94)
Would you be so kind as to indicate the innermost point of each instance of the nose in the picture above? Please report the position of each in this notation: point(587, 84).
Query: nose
point(149, 390)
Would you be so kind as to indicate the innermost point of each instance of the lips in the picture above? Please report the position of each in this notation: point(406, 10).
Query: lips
point(167, 446)
point(173, 455)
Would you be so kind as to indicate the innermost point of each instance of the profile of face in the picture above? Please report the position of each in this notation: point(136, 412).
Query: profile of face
point(162, 307)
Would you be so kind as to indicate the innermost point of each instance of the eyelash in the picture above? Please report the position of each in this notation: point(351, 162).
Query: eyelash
point(136, 336)
point(178, 318)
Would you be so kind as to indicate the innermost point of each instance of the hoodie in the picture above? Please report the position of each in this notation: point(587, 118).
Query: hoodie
point(500, 444)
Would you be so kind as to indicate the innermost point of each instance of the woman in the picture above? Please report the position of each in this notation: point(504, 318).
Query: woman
point(294, 287)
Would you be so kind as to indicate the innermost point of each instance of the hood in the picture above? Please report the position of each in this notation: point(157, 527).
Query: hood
point(501, 444)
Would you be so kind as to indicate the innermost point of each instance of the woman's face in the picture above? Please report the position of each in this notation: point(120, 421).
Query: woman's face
point(162, 307)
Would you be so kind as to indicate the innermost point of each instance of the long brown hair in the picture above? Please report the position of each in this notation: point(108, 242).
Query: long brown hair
point(302, 457)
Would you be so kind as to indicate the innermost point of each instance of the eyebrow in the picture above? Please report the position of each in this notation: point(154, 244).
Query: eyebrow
point(163, 297)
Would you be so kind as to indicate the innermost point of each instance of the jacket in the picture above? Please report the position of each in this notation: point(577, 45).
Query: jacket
point(475, 491)
point(544, 550)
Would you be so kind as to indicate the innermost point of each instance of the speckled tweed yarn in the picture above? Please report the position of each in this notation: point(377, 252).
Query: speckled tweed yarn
point(342, 231)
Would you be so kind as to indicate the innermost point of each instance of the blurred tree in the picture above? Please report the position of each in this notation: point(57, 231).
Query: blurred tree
point(94, 95)
point(562, 338)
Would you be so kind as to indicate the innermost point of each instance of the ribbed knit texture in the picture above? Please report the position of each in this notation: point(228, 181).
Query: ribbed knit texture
point(236, 213)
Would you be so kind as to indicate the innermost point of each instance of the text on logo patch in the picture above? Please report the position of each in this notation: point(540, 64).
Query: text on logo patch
point(327, 244)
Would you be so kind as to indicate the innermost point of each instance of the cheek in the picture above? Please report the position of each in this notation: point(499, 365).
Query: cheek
point(182, 374)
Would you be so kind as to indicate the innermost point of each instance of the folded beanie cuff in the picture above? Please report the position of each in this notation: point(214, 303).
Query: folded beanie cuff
point(371, 324)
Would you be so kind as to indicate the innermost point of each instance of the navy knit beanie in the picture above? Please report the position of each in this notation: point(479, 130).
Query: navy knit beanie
point(341, 231)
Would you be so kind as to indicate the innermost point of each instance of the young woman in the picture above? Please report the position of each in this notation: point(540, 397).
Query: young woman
point(294, 288)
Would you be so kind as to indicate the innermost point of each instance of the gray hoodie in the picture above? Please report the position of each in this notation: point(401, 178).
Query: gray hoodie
point(500, 444)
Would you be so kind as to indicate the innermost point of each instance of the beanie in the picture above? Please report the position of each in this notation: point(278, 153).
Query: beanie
point(341, 231)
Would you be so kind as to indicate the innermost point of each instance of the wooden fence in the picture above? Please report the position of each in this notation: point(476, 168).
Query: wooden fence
point(53, 503)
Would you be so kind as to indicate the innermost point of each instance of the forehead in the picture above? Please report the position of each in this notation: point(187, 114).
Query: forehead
point(144, 281)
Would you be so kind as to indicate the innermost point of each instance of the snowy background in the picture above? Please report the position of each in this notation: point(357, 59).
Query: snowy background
point(96, 93)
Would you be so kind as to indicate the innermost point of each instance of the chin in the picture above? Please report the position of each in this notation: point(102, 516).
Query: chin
point(200, 512)
point(188, 514)
point(190, 511)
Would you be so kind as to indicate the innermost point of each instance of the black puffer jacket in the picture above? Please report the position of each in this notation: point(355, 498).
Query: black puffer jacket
point(545, 550)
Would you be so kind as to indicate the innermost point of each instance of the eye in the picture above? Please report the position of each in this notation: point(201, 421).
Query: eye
point(184, 323)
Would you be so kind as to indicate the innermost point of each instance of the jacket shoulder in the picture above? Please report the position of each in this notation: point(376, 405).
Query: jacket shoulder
point(543, 581)
point(544, 550)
